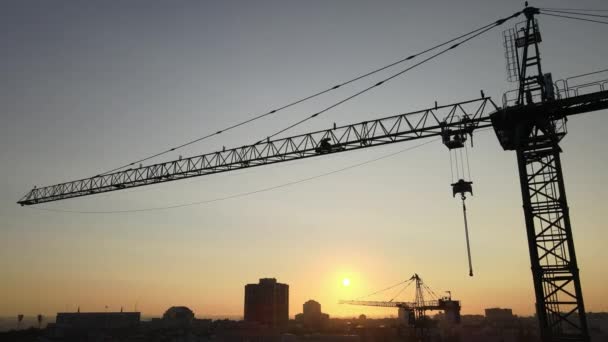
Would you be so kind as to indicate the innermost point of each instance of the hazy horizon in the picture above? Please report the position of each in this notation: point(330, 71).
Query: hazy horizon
point(89, 86)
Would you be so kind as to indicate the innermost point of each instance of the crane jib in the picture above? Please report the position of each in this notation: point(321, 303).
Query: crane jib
point(398, 128)
point(430, 122)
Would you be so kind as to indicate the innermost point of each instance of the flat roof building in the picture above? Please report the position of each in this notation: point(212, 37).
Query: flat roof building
point(498, 314)
point(96, 321)
point(267, 303)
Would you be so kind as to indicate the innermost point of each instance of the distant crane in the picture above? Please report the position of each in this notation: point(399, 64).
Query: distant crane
point(415, 311)
point(532, 124)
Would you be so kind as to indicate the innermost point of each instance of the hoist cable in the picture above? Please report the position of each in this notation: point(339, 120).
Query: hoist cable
point(451, 166)
point(466, 153)
point(456, 165)
point(462, 162)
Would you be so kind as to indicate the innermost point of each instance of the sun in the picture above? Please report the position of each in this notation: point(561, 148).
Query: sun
point(346, 282)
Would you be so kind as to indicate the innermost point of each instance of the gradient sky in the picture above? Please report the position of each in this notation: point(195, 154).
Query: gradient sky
point(89, 85)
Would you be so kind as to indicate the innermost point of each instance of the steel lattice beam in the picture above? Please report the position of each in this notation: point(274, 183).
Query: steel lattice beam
point(554, 267)
point(426, 305)
point(458, 118)
point(403, 127)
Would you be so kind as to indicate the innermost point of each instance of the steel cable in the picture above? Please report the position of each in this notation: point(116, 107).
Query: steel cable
point(488, 27)
point(574, 9)
point(386, 289)
point(259, 116)
point(577, 13)
point(569, 17)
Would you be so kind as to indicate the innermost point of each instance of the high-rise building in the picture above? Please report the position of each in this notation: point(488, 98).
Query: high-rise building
point(267, 303)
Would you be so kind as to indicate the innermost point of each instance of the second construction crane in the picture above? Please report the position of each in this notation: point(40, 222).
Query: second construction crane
point(414, 312)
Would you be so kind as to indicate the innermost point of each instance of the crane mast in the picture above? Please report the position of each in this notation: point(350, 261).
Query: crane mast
point(533, 127)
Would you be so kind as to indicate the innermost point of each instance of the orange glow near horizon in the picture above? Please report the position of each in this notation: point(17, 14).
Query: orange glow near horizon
point(90, 88)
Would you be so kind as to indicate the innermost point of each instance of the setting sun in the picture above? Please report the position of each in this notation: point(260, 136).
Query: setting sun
point(345, 282)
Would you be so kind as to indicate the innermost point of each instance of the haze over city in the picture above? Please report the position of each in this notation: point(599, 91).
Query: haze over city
point(89, 86)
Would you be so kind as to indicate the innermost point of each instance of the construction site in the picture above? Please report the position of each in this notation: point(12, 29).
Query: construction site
point(529, 122)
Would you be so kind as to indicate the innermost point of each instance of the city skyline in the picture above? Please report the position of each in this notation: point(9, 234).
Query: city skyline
point(89, 87)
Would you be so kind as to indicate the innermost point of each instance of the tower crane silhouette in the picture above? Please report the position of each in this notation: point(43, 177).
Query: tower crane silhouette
point(532, 124)
point(414, 312)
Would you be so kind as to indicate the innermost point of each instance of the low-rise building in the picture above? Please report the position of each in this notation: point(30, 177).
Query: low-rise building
point(77, 322)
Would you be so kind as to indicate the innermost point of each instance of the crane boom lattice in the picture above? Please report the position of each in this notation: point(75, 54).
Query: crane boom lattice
point(415, 125)
point(414, 312)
